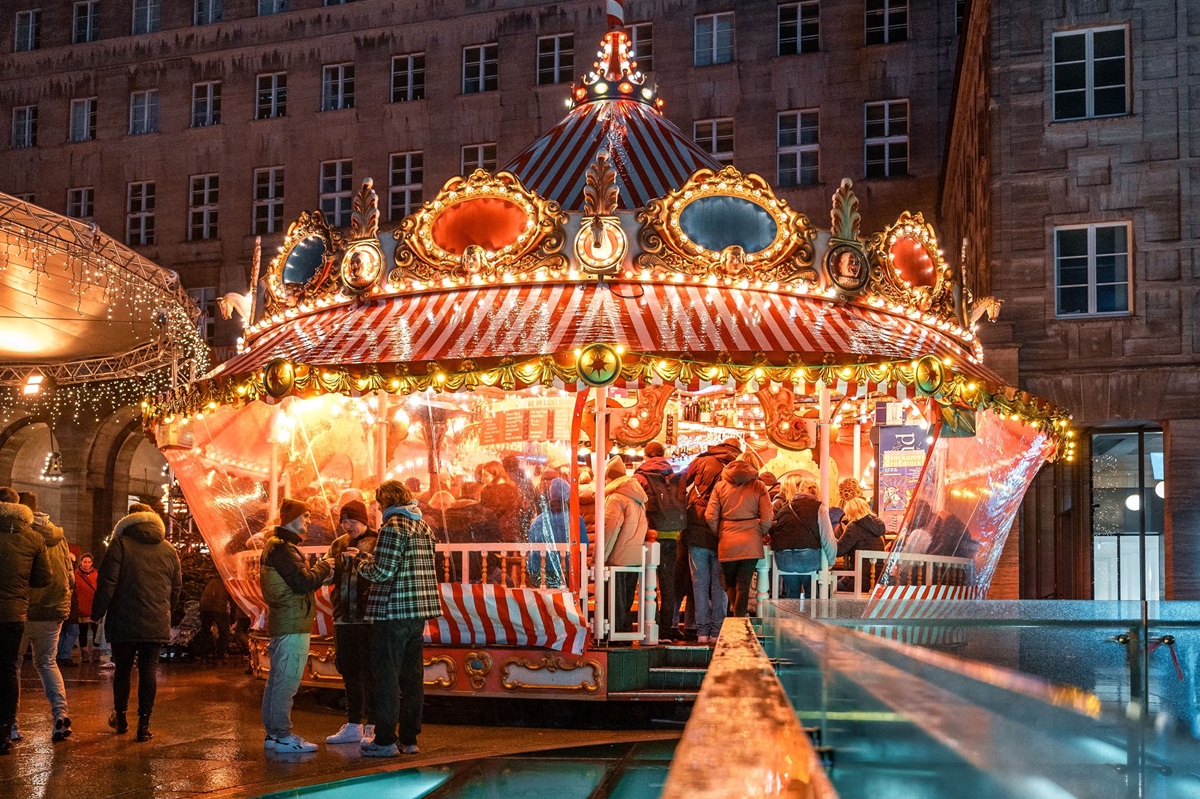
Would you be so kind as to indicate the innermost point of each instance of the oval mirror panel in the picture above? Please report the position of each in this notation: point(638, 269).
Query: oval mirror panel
point(719, 222)
point(491, 223)
point(912, 263)
point(304, 260)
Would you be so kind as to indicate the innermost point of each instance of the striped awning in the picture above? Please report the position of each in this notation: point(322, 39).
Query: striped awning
point(650, 154)
point(548, 318)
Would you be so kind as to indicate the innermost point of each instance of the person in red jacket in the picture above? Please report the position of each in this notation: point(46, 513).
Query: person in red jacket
point(86, 576)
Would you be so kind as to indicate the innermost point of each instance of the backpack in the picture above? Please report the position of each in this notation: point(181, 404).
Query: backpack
point(666, 507)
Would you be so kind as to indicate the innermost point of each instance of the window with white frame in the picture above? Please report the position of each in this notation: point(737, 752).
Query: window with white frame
point(406, 190)
point(268, 7)
point(203, 197)
point(139, 213)
point(337, 87)
point(800, 27)
point(886, 21)
point(1091, 270)
point(715, 137)
point(85, 22)
point(24, 126)
point(480, 68)
point(268, 200)
point(83, 119)
point(960, 13)
point(555, 59)
point(714, 38)
point(408, 77)
point(641, 44)
point(206, 300)
point(272, 96)
point(28, 31)
point(336, 191)
point(478, 156)
point(209, 12)
point(799, 147)
point(143, 112)
point(1090, 74)
point(25, 196)
point(81, 202)
point(885, 139)
point(206, 104)
point(147, 16)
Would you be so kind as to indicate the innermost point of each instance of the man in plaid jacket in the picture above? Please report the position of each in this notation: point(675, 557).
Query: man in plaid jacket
point(404, 597)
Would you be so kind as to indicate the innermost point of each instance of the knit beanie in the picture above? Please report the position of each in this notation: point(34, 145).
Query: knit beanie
point(290, 510)
point(356, 510)
point(614, 468)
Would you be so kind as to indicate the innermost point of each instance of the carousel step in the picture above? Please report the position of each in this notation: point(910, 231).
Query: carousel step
point(698, 655)
point(652, 695)
point(677, 677)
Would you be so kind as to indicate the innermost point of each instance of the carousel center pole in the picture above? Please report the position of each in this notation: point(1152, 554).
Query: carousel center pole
point(824, 425)
point(600, 621)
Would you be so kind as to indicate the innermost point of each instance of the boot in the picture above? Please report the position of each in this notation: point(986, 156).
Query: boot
point(5, 743)
point(117, 722)
point(143, 728)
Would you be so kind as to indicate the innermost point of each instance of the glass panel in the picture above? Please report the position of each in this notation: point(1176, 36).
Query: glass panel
point(1072, 47)
point(1106, 44)
point(1109, 102)
point(1072, 300)
point(1112, 298)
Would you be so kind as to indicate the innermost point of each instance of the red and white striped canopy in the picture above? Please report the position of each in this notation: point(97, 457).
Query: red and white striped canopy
point(650, 154)
point(548, 318)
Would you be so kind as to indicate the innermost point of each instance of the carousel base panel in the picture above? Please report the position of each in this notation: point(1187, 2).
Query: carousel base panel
point(641, 673)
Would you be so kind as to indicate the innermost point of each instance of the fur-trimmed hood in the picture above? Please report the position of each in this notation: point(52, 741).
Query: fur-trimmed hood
point(146, 527)
point(12, 515)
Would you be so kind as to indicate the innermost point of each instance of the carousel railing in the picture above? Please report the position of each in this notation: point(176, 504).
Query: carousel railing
point(910, 569)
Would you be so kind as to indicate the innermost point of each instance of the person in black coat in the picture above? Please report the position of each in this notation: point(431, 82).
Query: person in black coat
point(140, 581)
point(863, 531)
point(23, 565)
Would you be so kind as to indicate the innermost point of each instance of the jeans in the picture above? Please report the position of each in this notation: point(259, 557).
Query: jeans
point(11, 633)
point(397, 655)
point(43, 635)
point(667, 601)
point(354, 663)
point(288, 655)
point(803, 561)
point(67, 639)
point(738, 574)
point(683, 589)
point(208, 618)
point(711, 601)
point(124, 653)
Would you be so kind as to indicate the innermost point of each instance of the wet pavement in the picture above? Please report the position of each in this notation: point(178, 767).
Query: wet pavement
point(208, 738)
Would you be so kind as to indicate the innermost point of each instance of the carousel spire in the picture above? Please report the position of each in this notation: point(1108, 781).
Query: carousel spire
point(616, 14)
point(615, 74)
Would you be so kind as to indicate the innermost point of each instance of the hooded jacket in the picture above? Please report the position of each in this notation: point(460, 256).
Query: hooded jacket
point(863, 534)
point(624, 522)
point(23, 561)
point(350, 591)
point(699, 480)
point(53, 602)
point(288, 583)
point(739, 512)
point(656, 517)
point(139, 583)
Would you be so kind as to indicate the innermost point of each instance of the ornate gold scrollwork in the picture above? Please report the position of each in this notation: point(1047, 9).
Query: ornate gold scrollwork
point(636, 424)
point(600, 244)
point(785, 426)
point(551, 664)
point(789, 258)
point(888, 282)
point(478, 666)
point(538, 246)
point(303, 269)
point(446, 681)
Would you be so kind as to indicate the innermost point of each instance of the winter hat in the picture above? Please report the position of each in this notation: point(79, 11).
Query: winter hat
point(355, 509)
point(736, 443)
point(290, 510)
point(140, 507)
point(655, 449)
point(29, 500)
point(614, 468)
point(560, 490)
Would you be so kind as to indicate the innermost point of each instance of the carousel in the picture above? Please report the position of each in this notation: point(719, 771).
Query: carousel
point(610, 287)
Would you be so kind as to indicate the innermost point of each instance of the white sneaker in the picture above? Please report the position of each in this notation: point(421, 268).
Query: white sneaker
point(269, 743)
point(373, 749)
point(368, 732)
point(410, 749)
point(15, 735)
point(348, 734)
point(294, 743)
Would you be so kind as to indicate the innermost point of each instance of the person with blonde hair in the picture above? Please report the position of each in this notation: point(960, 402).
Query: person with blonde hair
point(864, 530)
point(801, 532)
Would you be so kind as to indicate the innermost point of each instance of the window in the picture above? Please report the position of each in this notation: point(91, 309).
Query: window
point(1128, 497)
point(715, 137)
point(139, 213)
point(336, 191)
point(800, 27)
point(202, 207)
point(886, 21)
point(479, 156)
point(799, 154)
point(1091, 270)
point(336, 2)
point(885, 139)
point(206, 300)
point(641, 44)
point(81, 202)
point(337, 87)
point(960, 10)
point(714, 39)
point(272, 96)
point(555, 59)
point(24, 129)
point(268, 7)
point(1090, 74)
point(480, 68)
point(268, 200)
point(28, 31)
point(406, 190)
point(209, 12)
point(408, 77)
point(143, 112)
point(83, 119)
point(25, 197)
point(85, 24)
point(146, 16)
point(206, 104)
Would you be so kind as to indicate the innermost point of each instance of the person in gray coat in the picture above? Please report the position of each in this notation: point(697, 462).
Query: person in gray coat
point(140, 581)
